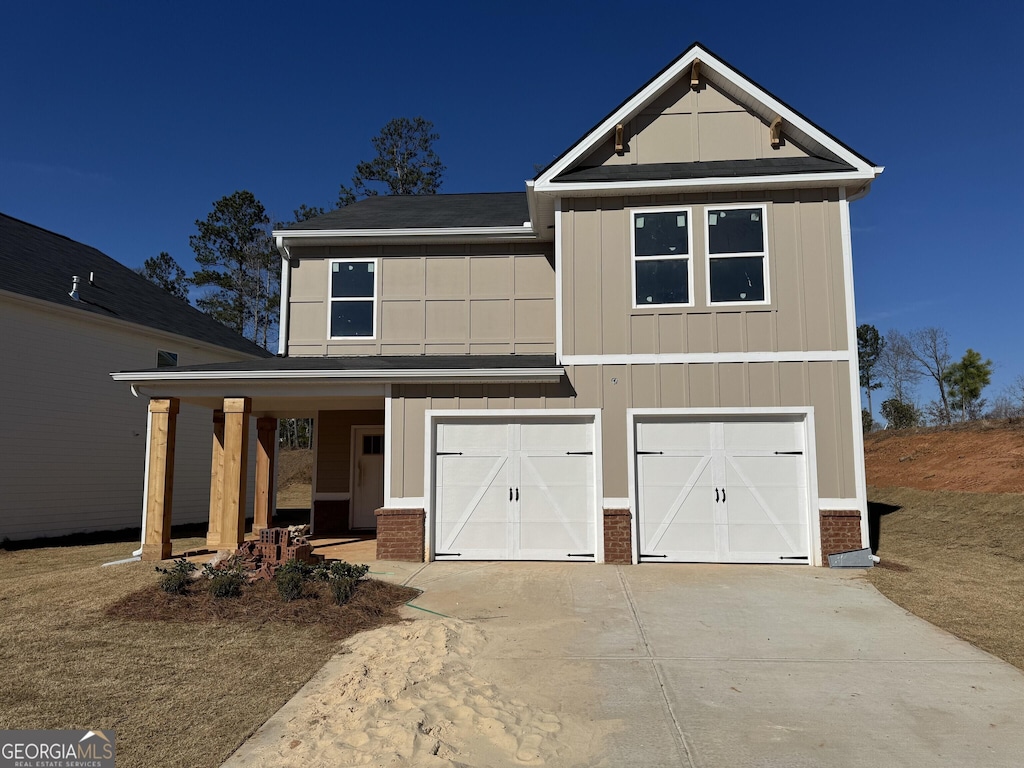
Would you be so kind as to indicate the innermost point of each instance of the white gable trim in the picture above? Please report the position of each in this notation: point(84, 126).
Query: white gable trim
point(717, 69)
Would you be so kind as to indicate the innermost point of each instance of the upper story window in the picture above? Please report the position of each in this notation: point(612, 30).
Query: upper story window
point(353, 298)
point(737, 253)
point(662, 247)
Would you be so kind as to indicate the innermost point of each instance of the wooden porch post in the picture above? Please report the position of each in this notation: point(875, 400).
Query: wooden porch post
point(263, 513)
point(236, 457)
point(163, 420)
point(216, 481)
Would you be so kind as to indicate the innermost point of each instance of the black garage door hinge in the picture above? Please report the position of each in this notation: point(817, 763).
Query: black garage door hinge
point(789, 453)
point(449, 453)
point(650, 453)
point(793, 557)
point(665, 556)
point(587, 554)
point(579, 453)
point(447, 554)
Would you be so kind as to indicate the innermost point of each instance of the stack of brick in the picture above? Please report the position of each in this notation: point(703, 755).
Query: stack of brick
point(276, 546)
point(279, 545)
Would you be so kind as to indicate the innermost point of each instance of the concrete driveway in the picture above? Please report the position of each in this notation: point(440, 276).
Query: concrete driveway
point(700, 665)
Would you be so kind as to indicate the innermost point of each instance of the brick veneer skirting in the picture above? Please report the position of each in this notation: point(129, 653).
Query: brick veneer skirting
point(400, 534)
point(840, 532)
point(618, 543)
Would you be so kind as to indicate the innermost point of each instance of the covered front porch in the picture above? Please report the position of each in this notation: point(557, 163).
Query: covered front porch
point(348, 464)
point(349, 400)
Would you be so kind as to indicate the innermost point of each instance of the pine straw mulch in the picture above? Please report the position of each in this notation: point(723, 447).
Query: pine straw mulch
point(373, 604)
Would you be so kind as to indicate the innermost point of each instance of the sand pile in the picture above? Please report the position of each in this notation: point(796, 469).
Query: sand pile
point(405, 695)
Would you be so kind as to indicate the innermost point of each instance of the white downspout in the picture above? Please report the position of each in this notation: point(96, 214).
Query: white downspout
point(136, 555)
point(145, 482)
point(282, 325)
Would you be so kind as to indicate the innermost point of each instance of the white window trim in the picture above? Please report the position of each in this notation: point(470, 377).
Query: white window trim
point(350, 299)
point(707, 209)
point(688, 257)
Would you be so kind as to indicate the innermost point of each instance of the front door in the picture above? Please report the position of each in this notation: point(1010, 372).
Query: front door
point(367, 475)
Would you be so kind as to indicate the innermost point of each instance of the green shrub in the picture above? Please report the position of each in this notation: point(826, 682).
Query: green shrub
point(900, 415)
point(227, 581)
point(342, 589)
point(339, 569)
point(176, 579)
point(291, 578)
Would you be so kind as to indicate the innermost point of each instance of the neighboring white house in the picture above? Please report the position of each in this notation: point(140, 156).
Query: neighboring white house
point(72, 442)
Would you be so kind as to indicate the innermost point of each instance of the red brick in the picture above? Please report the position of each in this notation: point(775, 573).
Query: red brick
point(618, 539)
point(840, 532)
point(400, 534)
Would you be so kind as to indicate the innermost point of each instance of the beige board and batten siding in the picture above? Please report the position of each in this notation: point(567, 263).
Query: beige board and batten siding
point(484, 299)
point(615, 388)
point(807, 309)
point(334, 447)
point(685, 126)
point(73, 441)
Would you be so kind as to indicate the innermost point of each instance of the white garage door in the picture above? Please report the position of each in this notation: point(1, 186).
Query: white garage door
point(514, 491)
point(722, 491)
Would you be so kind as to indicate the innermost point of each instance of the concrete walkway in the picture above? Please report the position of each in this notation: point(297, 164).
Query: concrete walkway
point(699, 665)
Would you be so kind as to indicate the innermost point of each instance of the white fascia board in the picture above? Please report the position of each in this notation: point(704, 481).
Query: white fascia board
point(788, 115)
point(470, 375)
point(619, 116)
point(286, 238)
point(612, 188)
point(719, 68)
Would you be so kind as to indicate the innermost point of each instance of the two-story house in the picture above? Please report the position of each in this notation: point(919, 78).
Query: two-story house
point(647, 355)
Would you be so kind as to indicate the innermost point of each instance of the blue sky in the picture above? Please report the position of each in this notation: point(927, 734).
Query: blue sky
point(123, 122)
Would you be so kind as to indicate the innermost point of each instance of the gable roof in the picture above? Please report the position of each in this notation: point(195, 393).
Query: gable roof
point(40, 264)
point(744, 90)
point(482, 209)
point(502, 215)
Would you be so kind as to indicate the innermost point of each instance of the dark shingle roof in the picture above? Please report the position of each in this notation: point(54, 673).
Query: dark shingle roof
point(482, 209)
point(371, 363)
point(38, 263)
point(705, 169)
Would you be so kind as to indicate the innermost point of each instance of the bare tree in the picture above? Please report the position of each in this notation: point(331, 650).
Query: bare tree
point(929, 347)
point(898, 367)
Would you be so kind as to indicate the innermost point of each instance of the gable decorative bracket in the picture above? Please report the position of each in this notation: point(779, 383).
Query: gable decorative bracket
point(775, 132)
point(695, 75)
point(619, 146)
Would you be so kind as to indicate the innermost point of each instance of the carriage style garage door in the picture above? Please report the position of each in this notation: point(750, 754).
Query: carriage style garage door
point(732, 491)
point(514, 491)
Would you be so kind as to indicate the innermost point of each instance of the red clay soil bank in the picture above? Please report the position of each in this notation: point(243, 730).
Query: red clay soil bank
point(979, 457)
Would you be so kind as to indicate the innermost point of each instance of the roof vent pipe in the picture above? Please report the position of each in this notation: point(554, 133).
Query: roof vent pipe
point(91, 278)
point(74, 288)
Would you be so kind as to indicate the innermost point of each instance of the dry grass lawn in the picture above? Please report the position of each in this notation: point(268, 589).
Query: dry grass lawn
point(180, 693)
point(956, 560)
